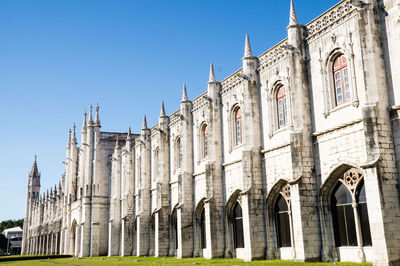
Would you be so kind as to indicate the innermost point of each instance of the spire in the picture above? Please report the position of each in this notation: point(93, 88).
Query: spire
point(97, 119)
point(74, 134)
point(90, 115)
point(144, 126)
point(247, 48)
point(184, 94)
point(212, 75)
point(128, 138)
point(69, 136)
point(117, 143)
point(34, 171)
point(162, 112)
point(84, 124)
point(293, 17)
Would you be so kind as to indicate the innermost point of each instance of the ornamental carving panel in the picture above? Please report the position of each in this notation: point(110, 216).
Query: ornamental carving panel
point(352, 178)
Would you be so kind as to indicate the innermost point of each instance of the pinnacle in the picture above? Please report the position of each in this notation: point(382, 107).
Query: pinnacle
point(84, 120)
point(144, 126)
point(247, 48)
point(162, 112)
point(69, 135)
point(212, 75)
point(90, 114)
point(128, 138)
point(184, 94)
point(34, 171)
point(97, 119)
point(293, 17)
point(74, 133)
point(117, 143)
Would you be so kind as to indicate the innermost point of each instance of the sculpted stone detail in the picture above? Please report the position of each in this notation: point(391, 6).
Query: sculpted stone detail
point(351, 178)
point(174, 189)
point(333, 16)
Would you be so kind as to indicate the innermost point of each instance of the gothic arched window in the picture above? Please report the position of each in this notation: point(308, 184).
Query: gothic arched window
point(156, 171)
point(174, 222)
point(363, 213)
point(178, 153)
point(343, 217)
point(238, 116)
point(348, 203)
point(238, 226)
point(203, 229)
point(281, 104)
point(341, 79)
point(282, 222)
point(204, 141)
point(138, 171)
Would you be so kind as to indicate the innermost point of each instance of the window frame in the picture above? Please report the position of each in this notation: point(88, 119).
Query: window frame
point(178, 153)
point(237, 128)
point(278, 216)
point(156, 165)
point(204, 141)
point(338, 75)
point(352, 184)
point(203, 230)
point(281, 99)
point(328, 89)
point(237, 224)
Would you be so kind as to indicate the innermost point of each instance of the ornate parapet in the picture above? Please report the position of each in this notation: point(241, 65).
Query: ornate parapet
point(330, 18)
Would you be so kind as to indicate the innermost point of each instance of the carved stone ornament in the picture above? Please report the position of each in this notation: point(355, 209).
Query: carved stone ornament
point(351, 178)
point(239, 199)
point(333, 38)
point(285, 192)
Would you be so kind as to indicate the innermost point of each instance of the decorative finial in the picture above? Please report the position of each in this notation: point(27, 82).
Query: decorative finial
point(84, 124)
point(293, 17)
point(128, 138)
point(247, 48)
point(144, 126)
point(69, 135)
point(97, 119)
point(74, 133)
point(117, 143)
point(90, 114)
point(212, 75)
point(162, 112)
point(184, 94)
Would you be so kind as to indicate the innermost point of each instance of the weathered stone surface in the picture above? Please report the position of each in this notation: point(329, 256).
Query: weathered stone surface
point(152, 193)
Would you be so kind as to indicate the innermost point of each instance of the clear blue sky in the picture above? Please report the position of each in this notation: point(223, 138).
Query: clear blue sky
point(57, 57)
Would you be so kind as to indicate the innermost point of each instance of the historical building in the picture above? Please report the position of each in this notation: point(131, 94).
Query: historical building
point(294, 156)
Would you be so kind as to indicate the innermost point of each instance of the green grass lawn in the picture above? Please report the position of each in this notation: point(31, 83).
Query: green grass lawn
point(155, 261)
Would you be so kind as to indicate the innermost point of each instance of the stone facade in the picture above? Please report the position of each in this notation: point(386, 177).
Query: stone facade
point(317, 112)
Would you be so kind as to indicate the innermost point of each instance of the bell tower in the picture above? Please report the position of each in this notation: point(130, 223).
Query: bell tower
point(32, 195)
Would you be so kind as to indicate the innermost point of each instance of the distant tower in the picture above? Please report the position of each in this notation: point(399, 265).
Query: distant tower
point(33, 191)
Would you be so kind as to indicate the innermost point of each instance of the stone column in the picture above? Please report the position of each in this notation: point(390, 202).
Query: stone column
point(161, 216)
